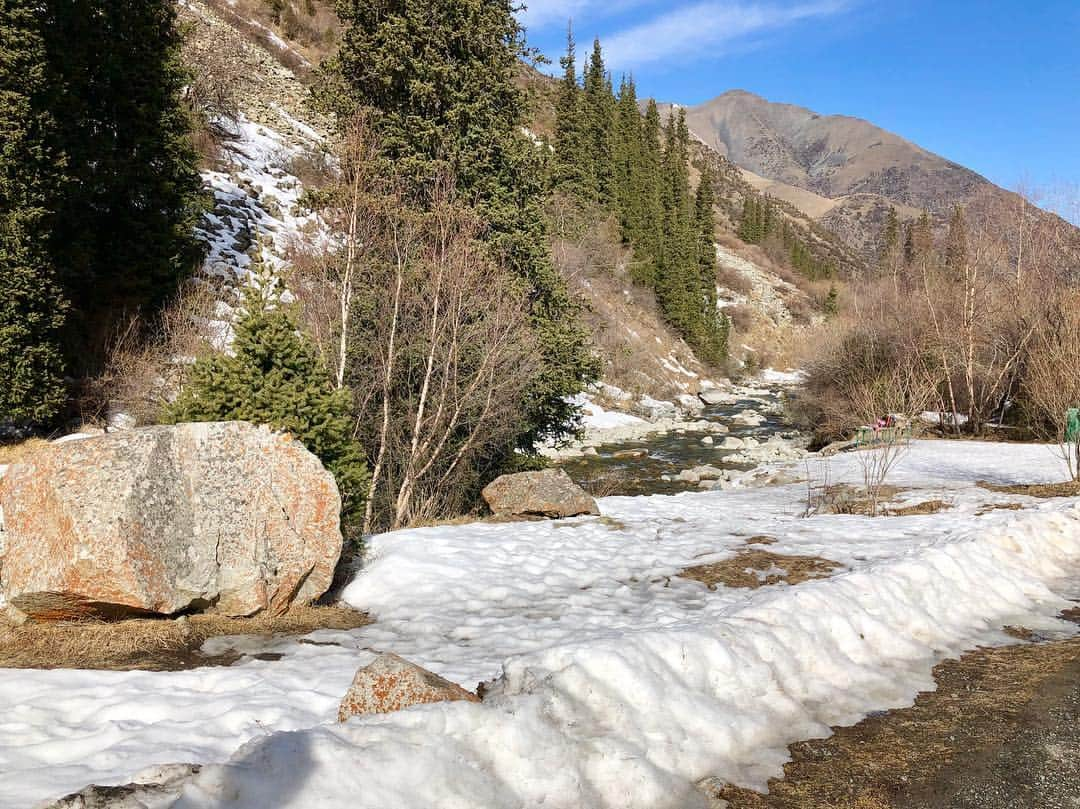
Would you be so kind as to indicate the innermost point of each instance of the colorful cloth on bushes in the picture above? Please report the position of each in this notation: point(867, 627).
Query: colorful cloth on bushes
point(1072, 424)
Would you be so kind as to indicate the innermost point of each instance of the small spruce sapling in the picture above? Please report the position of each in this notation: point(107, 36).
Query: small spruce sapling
point(273, 375)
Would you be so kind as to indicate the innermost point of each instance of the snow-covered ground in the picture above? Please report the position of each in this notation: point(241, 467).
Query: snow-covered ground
point(621, 685)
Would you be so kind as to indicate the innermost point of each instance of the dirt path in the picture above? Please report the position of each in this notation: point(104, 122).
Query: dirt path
point(1002, 731)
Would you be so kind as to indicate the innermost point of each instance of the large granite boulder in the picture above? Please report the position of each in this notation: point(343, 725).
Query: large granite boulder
point(220, 517)
point(391, 683)
point(546, 493)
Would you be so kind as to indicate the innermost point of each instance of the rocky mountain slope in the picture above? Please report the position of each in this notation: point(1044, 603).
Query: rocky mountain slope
point(842, 172)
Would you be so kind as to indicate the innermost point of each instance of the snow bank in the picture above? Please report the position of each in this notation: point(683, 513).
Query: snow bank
point(636, 718)
point(617, 670)
point(597, 418)
point(770, 376)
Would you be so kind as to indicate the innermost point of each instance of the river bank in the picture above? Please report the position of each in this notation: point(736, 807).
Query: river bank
point(648, 447)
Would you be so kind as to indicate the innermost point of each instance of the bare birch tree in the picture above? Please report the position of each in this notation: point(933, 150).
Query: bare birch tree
point(440, 358)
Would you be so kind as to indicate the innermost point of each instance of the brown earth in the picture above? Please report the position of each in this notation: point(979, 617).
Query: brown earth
point(749, 569)
point(1068, 488)
point(1001, 730)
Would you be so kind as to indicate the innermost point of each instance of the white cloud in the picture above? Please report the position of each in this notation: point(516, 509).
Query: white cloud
point(702, 29)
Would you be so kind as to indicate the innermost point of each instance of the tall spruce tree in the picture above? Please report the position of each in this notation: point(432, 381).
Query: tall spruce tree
point(678, 277)
point(123, 234)
point(31, 304)
point(439, 77)
point(629, 168)
point(956, 242)
point(648, 246)
point(711, 335)
point(573, 170)
point(600, 113)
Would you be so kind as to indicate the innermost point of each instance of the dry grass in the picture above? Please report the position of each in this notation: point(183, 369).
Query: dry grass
point(891, 759)
point(843, 498)
point(11, 453)
point(1069, 488)
point(989, 507)
point(758, 568)
point(151, 644)
point(925, 507)
point(761, 540)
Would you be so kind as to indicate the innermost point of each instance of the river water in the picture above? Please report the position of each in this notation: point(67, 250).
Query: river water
point(670, 453)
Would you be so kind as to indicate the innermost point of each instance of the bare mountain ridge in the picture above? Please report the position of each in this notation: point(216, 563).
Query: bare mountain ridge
point(844, 173)
point(831, 155)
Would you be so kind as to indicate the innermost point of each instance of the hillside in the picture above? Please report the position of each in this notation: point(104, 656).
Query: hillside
point(841, 171)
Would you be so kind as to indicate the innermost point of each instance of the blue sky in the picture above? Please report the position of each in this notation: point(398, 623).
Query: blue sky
point(993, 85)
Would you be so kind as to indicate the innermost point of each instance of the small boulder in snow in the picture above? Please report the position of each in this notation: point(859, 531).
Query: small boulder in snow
point(222, 517)
point(157, 786)
point(391, 683)
point(546, 493)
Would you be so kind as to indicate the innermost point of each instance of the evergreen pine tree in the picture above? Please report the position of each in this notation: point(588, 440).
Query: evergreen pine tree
point(890, 237)
point(712, 333)
point(440, 80)
point(31, 304)
point(832, 301)
point(274, 376)
point(600, 111)
point(678, 276)
point(746, 221)
point(123, 234)
point(920, 239)
point(573, 170)
point(648, 247)
point(629, 164)
point(956, 242)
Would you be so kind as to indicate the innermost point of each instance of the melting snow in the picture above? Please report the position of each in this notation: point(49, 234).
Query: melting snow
point(621, 685)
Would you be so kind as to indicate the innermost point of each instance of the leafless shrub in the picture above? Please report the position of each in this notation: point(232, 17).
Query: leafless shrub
point(818, 483)
point(731, 279)
point(1051, 384)
point(441, 355)
point(219, 78)
point(431, 334)
point(742, 317)
point(147, 363)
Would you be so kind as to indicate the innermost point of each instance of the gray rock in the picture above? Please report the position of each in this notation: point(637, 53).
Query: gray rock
point(546, 493)
point(157, 787)
point(699, 473)
point(707, 440)
point(222, 517)
point(731, 442)
point(715, 396)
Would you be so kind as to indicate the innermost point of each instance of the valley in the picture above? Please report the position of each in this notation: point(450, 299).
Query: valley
point(476, 432)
